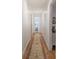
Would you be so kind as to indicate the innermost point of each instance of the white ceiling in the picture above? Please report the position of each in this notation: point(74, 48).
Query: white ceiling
point(37, 4)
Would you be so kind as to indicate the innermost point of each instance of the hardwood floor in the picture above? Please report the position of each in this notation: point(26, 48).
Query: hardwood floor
point(28, 48)
point(52, 55)
point(48, 54)
point(37, 49)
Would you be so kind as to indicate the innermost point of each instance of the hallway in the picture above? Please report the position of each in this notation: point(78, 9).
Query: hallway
point(37, 49)
point(39, 29)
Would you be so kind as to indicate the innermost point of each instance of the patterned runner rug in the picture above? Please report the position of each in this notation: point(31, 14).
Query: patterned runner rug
point(36, 50)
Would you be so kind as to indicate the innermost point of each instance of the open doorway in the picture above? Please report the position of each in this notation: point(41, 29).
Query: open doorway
point(36, 24)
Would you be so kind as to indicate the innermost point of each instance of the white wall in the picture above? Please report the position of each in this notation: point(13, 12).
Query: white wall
point(52, 13)
point(46, 25)
point(26, 26)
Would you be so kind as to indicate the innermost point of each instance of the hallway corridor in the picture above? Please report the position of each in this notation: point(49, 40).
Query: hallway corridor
point(39, 29)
